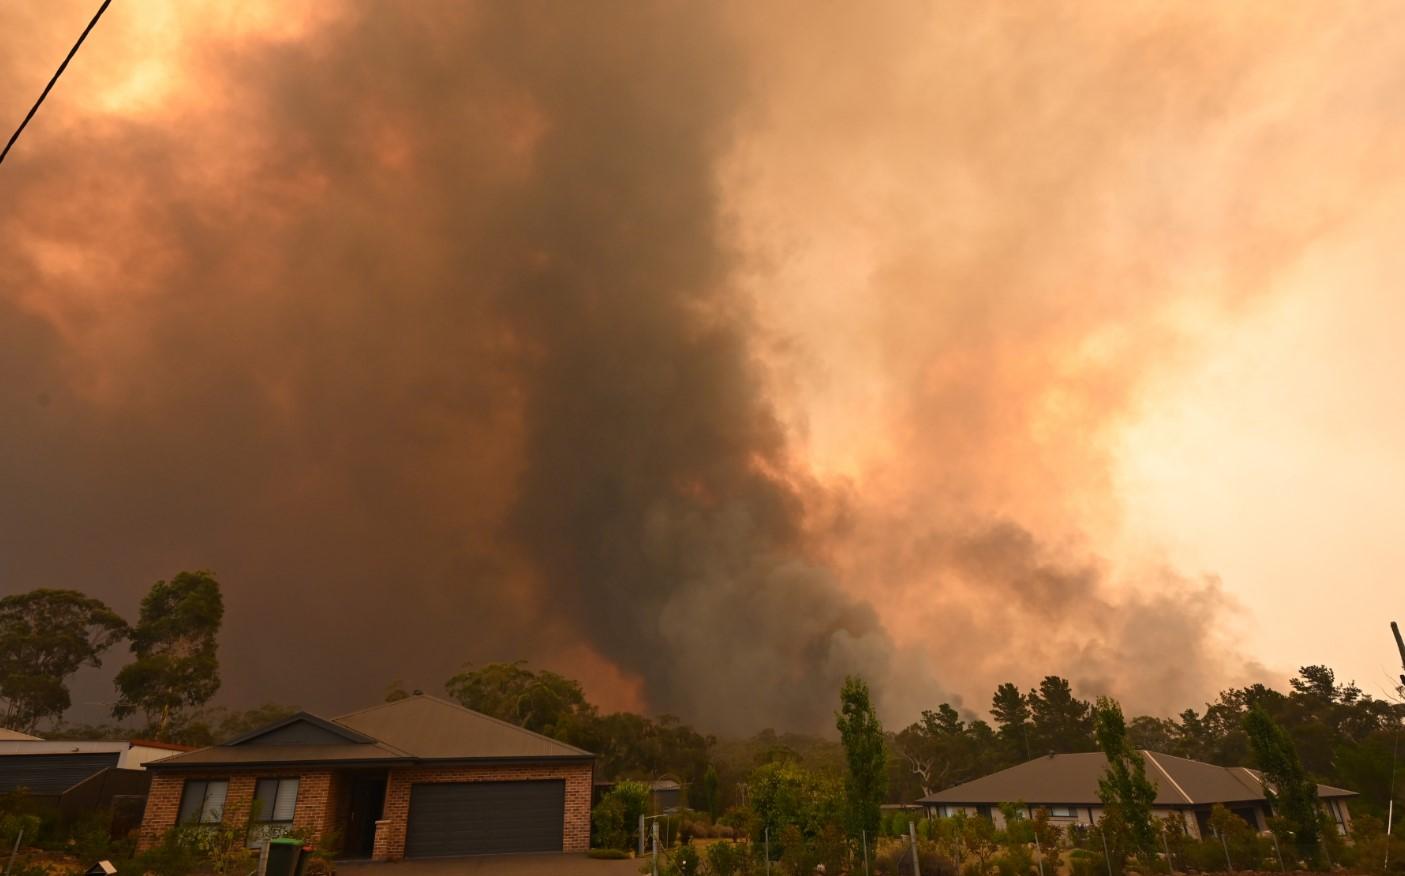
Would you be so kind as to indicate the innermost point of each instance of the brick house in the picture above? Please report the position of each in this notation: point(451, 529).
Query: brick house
point(418, 777)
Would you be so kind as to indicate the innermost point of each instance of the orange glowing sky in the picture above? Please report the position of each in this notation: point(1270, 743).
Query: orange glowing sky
point(1112, 284)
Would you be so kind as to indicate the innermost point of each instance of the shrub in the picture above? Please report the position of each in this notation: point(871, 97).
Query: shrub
point(1082, 862)
point(609, 824)
point(797, 857)
point(895, 859)
point(1016, 861)
point(683, 861)
point(1247, 850)
point(1367, 852)
point(726, 859)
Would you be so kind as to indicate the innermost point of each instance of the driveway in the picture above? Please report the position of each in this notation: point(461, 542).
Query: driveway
point(507, 865)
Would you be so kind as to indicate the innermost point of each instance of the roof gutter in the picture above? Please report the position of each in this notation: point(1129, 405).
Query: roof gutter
point(385, 761)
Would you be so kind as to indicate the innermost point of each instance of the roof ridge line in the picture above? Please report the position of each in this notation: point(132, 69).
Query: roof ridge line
point(1175, 784)
point(1259, 779)
point(462, 708)
point(453, 705)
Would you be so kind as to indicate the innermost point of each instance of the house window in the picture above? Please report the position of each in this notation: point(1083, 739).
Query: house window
point(202, 801)
point(274, 803)
point(1062, 811)
point(1336, 807)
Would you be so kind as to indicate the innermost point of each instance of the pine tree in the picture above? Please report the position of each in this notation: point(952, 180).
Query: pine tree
point(1289, 790)
point(1125, 791)
point(862, 735)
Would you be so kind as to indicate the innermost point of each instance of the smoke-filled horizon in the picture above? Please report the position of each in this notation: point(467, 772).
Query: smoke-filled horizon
point(704, 353)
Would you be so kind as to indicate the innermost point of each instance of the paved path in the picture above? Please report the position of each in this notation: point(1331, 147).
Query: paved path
point(507, 865)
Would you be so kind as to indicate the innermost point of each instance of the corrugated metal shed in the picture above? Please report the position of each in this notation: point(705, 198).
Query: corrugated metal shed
point(50, 774)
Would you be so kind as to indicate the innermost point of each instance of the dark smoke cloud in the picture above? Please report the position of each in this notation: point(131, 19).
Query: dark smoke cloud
point(424, 341)
point(706, 353)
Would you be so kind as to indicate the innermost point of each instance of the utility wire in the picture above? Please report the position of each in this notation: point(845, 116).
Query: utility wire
point(47, 88)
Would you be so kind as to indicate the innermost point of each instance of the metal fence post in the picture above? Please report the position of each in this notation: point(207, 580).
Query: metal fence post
point(641, 834)
point(863, 838)
point(654, 832)
point(14, 853)
point(768, 851)
point(912, 832)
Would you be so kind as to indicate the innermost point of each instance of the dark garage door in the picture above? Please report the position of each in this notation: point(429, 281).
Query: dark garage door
point(485, 818)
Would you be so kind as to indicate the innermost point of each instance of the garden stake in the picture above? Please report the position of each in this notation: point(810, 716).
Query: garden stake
point(768, 851)
point(1228, 864)
point(1038, 851)
point(1277, 851)
point(14, 852)
point(1170, 865)
point(863, 838)
point(1107, 856)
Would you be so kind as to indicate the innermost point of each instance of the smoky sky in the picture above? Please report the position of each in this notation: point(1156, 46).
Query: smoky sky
point(664, 345)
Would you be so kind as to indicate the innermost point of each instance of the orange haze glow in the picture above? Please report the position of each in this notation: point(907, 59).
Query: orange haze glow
point(710, 353)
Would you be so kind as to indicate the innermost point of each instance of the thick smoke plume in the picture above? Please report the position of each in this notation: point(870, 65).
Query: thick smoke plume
point(704, 353)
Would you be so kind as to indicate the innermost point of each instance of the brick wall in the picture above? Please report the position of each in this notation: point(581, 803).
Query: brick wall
point(391, 829)
point(323, 800)
point(319, 798)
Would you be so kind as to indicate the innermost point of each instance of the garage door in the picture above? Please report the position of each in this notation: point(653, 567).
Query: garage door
point(485, 818)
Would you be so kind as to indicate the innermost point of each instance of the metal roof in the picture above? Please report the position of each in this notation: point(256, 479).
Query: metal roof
point(45, 775)
point(1073, 779)
point(412, 729)
point(8, 735)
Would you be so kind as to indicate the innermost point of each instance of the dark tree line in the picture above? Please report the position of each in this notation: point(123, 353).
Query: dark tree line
point(1343, 736)
point(1337, 734)
point(626, 745)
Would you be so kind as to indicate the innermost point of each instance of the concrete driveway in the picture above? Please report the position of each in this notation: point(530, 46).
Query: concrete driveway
point(507, 865)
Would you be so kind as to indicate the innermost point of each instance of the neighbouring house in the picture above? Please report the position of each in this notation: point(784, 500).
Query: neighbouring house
point(417, 777)
point(1066, 787)
point(665, 795)
point(78, 778)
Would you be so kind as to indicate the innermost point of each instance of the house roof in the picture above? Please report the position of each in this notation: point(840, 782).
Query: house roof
point(1073, 779)
point(412, 729)
point(431, 728)
point(7, 735)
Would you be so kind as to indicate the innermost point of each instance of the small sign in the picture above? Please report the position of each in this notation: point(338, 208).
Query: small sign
point(101, 868)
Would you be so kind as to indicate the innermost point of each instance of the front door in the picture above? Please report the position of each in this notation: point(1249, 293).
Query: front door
point(367, 803)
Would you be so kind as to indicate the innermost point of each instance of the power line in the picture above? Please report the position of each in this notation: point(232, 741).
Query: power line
point(57, 73)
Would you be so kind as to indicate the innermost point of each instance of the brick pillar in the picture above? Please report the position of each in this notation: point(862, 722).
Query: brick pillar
point(239, 801)
point(314, 804)
point(395, 817)
point(163, 800)
point(381, 851)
